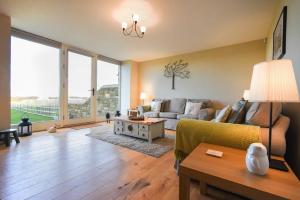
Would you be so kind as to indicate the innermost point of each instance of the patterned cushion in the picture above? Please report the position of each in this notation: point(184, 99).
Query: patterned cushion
point(238, 112)
point(155, 106)
point(170, 115)
point(206, 102)
point(192, 108)
point(258, 114)
point(223, 114)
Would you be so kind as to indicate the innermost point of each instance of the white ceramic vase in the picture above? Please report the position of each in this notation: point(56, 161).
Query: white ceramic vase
point(257, 161)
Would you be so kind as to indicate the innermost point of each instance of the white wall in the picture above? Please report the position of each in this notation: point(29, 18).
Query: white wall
point(220, 74)
point(4, 71)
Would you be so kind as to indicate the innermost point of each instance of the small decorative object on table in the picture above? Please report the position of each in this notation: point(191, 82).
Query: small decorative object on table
point(257, 161)
point(25, 127)
point(107, 117)
point(140, 118)
point(132, 112)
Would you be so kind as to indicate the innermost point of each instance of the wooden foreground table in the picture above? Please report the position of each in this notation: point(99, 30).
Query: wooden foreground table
point(230, 174)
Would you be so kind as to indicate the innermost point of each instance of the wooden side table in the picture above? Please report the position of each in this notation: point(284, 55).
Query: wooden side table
point(230, 174)
point(7, 137)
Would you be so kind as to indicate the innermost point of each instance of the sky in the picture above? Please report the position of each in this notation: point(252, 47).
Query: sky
point(35, 71)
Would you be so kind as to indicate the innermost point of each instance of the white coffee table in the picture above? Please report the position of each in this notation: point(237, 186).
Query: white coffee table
point(147, 129)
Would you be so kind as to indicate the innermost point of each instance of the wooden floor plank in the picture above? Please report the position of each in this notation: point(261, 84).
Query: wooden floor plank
point(70, 165)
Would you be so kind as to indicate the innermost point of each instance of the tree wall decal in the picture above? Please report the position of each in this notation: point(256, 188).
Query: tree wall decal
point(179, 69)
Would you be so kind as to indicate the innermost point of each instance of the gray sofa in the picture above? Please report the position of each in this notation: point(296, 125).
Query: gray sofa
point(172, 110)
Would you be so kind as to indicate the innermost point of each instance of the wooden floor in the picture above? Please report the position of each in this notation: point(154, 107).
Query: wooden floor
point(69, 165)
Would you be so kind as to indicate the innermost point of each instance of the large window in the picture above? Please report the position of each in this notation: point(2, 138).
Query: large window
point(34, 81)
point(108, 99)
point(79, 86)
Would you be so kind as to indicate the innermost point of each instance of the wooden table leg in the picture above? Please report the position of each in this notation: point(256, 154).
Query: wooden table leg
point(184, 187)
point(203, 188)
point(16, 137)
point(7, 139)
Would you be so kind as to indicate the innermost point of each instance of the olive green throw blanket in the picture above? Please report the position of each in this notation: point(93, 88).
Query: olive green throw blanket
point(190, 133)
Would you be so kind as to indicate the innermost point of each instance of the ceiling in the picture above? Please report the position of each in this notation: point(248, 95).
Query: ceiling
point(173, 26)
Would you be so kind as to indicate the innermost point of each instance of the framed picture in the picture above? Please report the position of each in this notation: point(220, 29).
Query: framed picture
point(279, 36)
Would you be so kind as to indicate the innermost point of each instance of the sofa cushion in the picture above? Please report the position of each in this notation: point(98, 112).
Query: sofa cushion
point(164, 104)
point(152, 114)
point(170, 115)
point(258, 114)
point(207, 103)
point(192, 108)
point(238, 112)
point(183, 116)
point(206, 114)
point(176, 105)
point(223, 114)
point(155, 106)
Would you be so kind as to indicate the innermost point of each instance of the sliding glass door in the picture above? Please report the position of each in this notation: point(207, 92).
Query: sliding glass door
point(53, 83)
point(35, 81)
point(80, 90)
point(108, 89)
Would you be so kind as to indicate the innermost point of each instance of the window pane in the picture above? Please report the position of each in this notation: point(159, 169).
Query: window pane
point(79, 85)
point(34, 81)
point(107, 88)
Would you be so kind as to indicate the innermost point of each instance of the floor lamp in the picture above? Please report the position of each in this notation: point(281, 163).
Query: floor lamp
point(273, 81)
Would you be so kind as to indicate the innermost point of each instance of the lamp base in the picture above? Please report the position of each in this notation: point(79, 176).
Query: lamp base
point(278, 164)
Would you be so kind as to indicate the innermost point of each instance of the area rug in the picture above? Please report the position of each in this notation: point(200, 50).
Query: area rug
point(158, 147)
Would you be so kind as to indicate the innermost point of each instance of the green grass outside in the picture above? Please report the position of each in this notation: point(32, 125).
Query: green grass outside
point(16, 116)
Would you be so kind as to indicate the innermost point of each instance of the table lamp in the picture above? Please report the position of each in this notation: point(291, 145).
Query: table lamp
point(274, 81)
point(143, 97)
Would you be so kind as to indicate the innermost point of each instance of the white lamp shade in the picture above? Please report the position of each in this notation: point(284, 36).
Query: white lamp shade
point(143, 96)
point(274, 81)
point(246, 94)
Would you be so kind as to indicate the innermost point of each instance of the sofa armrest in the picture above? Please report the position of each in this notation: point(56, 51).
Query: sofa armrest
point(279, 130)
point(206, 114)
point(190, 133)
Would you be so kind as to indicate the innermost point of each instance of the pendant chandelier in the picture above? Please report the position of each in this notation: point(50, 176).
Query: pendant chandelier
point(134, 30)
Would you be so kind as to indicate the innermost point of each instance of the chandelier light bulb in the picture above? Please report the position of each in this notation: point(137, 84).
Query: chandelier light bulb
point(135, 17)
point(124, 25)
point(133, 30)
point(143, 29)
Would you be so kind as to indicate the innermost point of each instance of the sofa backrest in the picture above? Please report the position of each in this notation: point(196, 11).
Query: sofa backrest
point(207, 103)
point(176, 105)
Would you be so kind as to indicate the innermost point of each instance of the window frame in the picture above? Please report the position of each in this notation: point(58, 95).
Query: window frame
point(63, 76)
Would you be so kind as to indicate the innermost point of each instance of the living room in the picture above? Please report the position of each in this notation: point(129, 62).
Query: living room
point(133, 93)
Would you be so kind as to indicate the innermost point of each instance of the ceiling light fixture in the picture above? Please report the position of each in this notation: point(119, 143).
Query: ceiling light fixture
point(134, 30)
